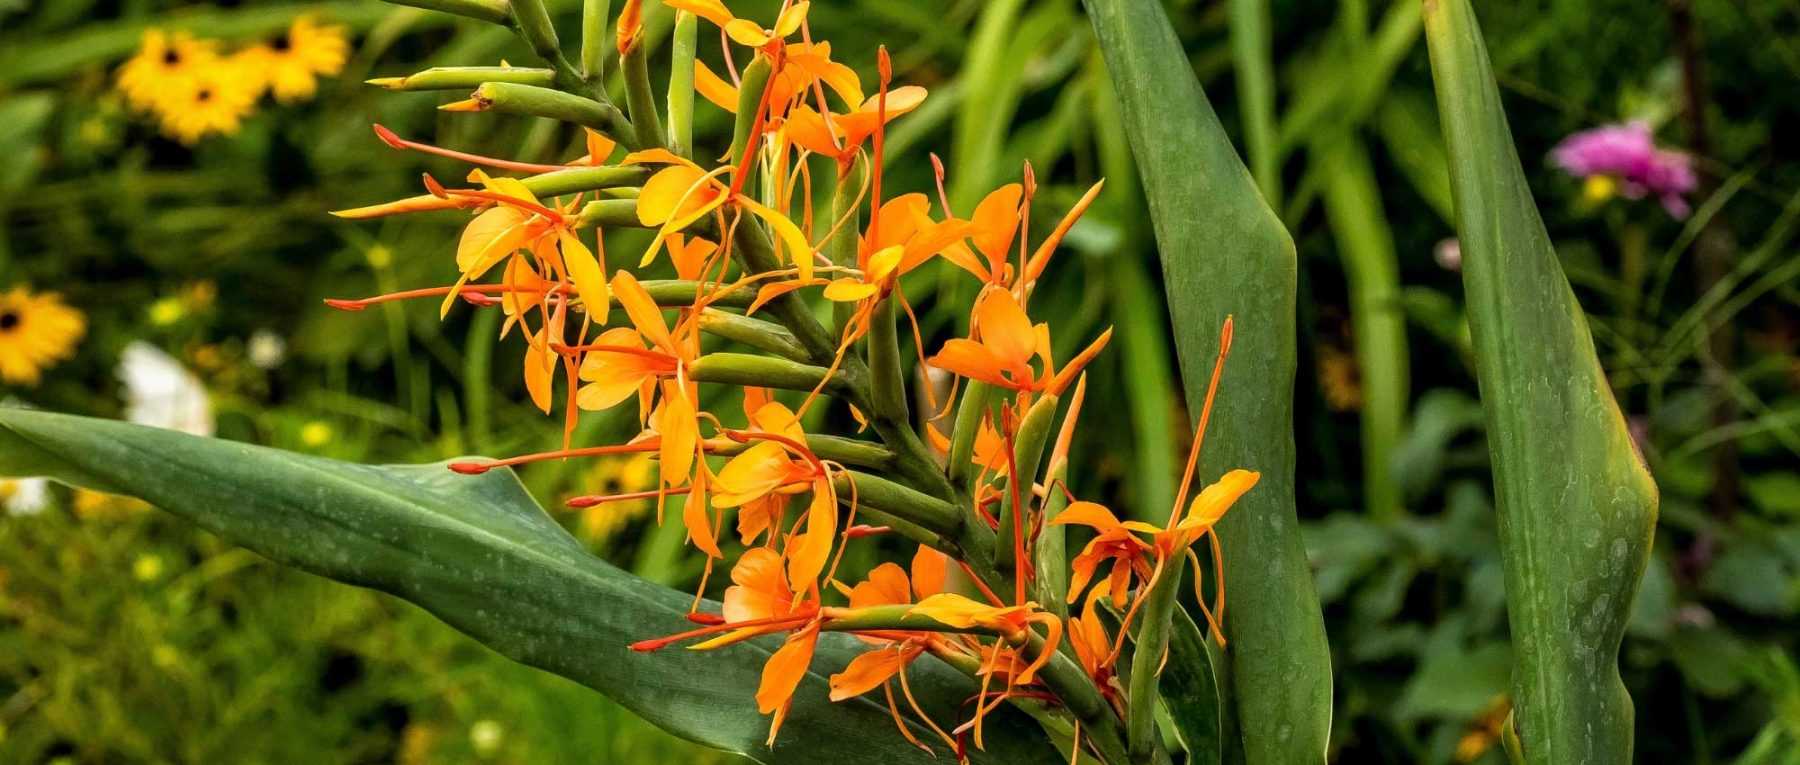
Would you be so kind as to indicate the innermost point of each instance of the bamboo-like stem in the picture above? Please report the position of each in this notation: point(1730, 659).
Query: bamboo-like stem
point(530, 100)
point(466, 78)
point(639, 98)
point(1146, 665)
point(750, 369)
point(682, 50)
point(594, 38)
point(756, 333)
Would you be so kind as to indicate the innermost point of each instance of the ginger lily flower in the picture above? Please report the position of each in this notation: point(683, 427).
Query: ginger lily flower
point(682, 193)
point(801, 65)
point(744, 31)
point(842, 135)
point(1005, 343)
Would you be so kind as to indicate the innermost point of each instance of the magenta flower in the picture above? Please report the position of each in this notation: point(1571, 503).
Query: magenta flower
point(1627, 155)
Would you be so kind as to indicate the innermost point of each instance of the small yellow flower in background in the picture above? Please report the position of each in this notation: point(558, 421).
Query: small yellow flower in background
point(485, 736)
point(316, 433)
point(147, 568)
point(213, 99)
point(36, 331)
point(1339, 379)
point(622, 475)
point(90, 505)
point(166, 60)
point(166, 311)
point(291, 64)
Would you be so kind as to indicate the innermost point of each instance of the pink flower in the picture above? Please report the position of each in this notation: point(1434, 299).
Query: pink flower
point(1628, 155)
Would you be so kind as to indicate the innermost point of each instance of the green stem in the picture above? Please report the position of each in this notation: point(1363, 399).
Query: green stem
point(533, 23)
point(578, 179)
point(756, 333)
point(848, 451)
point(681, 293)
point(640, 99)
point(594, 40)
point(962, 434)
point(754, 370)
point(1028, 453)
point(1152, 640)
point(466, 77)
point(530, 100)
point(681, 84)
point(609, 213)
point(887, 379)
point(491, 11)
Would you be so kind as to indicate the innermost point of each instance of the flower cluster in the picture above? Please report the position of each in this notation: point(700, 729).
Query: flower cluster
point(194, 89)
point(1624, 159)
point(988, 590)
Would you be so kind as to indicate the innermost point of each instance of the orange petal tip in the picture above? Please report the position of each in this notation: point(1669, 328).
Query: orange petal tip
point(465, 105)
point(391, 83)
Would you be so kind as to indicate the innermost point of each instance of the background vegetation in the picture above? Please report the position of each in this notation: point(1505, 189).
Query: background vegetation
point(127, 636)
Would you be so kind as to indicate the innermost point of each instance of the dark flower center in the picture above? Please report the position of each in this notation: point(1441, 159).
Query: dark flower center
point(8, 320)
point(171, 57)
point(204, 95)
point(281, 44)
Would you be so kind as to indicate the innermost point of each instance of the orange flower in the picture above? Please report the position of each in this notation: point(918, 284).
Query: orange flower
point(1004, 345)
point(744, 31)
point(841, 135)
point(995, 223)
point(801, 65)
point(682, 193)
point(1115, 542)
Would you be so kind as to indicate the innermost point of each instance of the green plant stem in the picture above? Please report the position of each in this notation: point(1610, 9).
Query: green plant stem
point(466, 77)
point(578, 179)
point(533, 23)
point(1152, 640)
point(1028, 452)
point(640, 99)
point(756, 333)
point(1353, 206)
point(849, 451)
point(967, 426)
point(609, 213)
point(1256, 92)
point(530, 100)
point(752, 370)
point(755, 79)
point(681, 84)
point(887, 379)
point(491, 11)
point(681, 293)
point(594, 39)
point(872, 492)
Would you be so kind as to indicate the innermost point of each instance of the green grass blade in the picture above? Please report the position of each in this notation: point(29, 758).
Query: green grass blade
point(1353, 205)
point(477, 552)
point(1577, 507)
point(1225, 253)
point(1256, 82)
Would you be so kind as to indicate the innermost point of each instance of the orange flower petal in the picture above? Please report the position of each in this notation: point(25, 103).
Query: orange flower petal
point(869, 671)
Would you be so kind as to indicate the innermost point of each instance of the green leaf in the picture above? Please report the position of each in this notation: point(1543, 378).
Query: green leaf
point(1224, 253)
point(1576, 506)
point(1190, 690)
point(477, 552)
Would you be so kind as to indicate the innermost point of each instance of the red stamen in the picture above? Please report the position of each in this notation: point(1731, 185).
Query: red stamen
point(702, 617)
point(548, 213)
point(388, 137)
point(657, 644)
point(477, 468)
point(863, 530)
point(473, 293)
point(595, 500)
point(1212, 389)
point(436, 189)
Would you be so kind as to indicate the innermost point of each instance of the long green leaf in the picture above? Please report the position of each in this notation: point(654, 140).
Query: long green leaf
point(477, 552)
point(1190, 689)
point(1577, 507)
point(1224, 253)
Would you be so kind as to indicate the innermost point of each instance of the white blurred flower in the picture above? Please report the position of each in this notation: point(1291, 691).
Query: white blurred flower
point(1448, 254)
point(25, 496)
point(161, 393)
point(267, 350)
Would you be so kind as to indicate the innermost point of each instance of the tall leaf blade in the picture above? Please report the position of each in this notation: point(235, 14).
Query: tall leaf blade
point(1577, 507)
point(1224, 252)
point(477, 552)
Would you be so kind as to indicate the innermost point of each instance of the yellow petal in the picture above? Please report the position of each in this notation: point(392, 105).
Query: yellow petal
point(848, 290)
point(868, 672)
point(809, 552)
point(798, 250)
point(589, 275)
point(746, 32)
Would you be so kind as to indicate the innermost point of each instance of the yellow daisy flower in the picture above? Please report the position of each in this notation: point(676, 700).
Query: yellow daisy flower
point(163, 63)
point(214, 99)
point(291, 64)
point(36, 331)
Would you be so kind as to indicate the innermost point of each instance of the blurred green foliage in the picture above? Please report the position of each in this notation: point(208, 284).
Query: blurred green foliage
point(127, 637)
